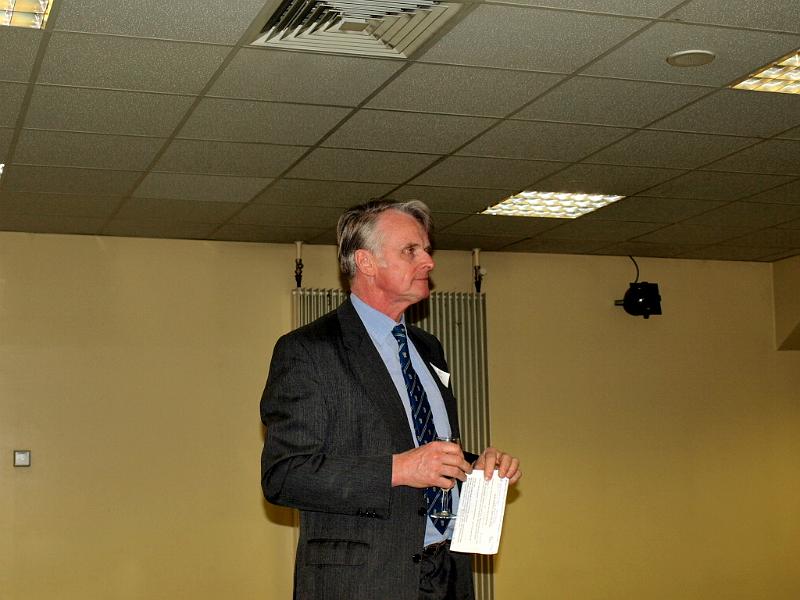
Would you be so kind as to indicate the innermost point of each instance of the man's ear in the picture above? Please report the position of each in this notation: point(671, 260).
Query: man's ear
point(365, 262)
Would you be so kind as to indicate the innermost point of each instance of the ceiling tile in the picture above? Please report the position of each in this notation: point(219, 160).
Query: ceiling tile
point(144, 65)
point(327, 238)
point(644, 249)
point(322, 193)
point(217, 21)
point(452, 199)
point(610, 101)
point(11, 96)
point(783, 194)
point(501, 225)
point(103, 111)
point(5, 143)
point(793, 133)
point(718, 252)
point(308, 77)
point(716, 185)
point(65, 180)
point(239, 232)
point(693, 234)
point(652, 210)
point(57, 204)
point(68, 149)
point(167, 209)
point(212, 188)
point(781, 255)
point(644, 57)
point(604, 179)
point(669, 149)
point(557, 246)
point(737, 112)
point(51, 224)
point(360, 165)
point(228, 158)
point(18, 47)
point(747, 214)
point(158, 228)
point(406, 131)
point(453, 241)
point(288, 216)
point(771, 156)
point(493, 173)
point(643, 8)
point(564, 40)
point(442, 220)
point(778, 15)
point(773, 237)
point(235, 120)
point(790, 224)
point(612, 231)
point(525, 139)
point(462, 90)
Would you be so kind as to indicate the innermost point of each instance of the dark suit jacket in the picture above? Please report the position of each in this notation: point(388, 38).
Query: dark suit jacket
point(334, 419)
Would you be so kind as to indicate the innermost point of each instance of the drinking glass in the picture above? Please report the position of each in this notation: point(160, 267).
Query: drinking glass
point(446, 512)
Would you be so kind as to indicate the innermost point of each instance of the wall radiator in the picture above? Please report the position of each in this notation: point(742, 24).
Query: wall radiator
point(458, 319)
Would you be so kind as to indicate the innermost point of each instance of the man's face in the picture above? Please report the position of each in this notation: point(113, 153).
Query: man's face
point(403, 259)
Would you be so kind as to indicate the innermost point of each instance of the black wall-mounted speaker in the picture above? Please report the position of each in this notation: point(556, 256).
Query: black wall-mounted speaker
point(642, 300)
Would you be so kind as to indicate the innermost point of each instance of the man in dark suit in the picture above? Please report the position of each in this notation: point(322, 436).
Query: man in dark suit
point(346, 440)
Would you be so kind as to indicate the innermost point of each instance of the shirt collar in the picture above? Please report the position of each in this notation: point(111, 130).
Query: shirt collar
point(377, 323)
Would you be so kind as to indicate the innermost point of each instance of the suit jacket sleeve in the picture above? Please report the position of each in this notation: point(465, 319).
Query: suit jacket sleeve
point(315, 457)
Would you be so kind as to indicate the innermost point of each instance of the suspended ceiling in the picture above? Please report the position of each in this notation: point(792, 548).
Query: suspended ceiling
point(158, 119)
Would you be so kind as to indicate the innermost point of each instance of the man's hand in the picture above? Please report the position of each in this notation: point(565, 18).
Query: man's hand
point(436, 464)
point(506, 465)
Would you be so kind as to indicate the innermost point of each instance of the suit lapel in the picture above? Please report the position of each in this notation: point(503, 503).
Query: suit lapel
point(367, 364)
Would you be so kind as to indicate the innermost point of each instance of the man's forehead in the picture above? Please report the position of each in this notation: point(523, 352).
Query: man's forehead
point(398, 225)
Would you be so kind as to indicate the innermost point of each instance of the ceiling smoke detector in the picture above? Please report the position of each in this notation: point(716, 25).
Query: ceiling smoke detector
point(393, 29)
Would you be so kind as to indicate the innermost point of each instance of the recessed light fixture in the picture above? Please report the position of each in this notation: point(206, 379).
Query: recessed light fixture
point(562, 205)
point(782, 76)
point(691, 58)
point(25, 13)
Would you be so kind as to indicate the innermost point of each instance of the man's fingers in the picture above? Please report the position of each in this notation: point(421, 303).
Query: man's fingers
point(505, 464)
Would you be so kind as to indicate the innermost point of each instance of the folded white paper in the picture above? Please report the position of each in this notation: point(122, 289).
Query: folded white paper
point(481, 507)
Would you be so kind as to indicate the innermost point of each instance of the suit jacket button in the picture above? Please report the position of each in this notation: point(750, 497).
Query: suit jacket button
point(416, 558)
point(422, 511)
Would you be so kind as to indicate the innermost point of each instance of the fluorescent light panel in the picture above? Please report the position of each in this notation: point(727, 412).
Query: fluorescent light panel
point(561, 205)
point(25, 13)
point(781, 76)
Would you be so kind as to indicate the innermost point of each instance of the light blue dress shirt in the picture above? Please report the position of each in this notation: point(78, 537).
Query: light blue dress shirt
point(379, 327)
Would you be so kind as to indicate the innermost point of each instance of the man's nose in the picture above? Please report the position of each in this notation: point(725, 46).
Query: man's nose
point(427, 261)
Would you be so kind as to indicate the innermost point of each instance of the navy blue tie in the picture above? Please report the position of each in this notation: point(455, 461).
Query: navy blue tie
point(421, 415)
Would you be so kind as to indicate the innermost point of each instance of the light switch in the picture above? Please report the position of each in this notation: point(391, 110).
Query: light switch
point(22, 458)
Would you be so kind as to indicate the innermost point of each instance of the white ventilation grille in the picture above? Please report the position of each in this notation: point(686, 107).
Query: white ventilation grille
point(395, 28)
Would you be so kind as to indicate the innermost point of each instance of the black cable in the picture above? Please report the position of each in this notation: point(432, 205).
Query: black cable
point(637, 269)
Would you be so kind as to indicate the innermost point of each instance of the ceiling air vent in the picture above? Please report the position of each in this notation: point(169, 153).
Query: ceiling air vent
point(394, 29)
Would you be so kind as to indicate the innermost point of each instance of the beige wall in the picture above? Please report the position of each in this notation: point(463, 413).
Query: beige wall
point(787, 303)
point(661, 455)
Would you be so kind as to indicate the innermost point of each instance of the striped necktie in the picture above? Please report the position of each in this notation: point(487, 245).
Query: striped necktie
point(421, 415)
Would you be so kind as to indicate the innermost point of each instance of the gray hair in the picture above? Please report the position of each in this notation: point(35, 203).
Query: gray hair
point(357, 228)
